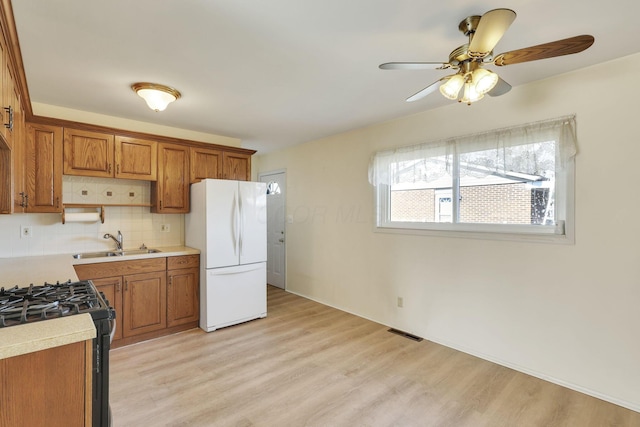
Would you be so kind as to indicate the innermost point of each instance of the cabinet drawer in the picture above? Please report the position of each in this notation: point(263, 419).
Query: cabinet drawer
point(184, 261)
point(120, 268)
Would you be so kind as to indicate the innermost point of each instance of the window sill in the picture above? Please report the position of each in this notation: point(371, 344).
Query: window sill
point(467, 231)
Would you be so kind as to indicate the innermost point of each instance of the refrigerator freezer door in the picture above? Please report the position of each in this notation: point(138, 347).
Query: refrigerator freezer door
point(253, 222)
point(234, 295)
point(222, 224)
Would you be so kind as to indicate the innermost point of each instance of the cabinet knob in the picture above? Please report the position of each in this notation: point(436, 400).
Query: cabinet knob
point(109, 167)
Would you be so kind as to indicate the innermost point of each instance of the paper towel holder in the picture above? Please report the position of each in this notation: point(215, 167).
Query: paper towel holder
point(95, 215)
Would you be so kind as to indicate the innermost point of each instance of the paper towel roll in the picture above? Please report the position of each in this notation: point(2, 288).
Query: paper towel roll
point(82, 217)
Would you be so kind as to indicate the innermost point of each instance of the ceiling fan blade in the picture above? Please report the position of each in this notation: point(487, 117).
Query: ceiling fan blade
point(413, 66)
point(548, 50)
point(491, 28)
point(500, 88)
point(424, 92)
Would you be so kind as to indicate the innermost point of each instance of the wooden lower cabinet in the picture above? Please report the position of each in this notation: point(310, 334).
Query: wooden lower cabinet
point(144, 303)
point(183, 275)
point(182, 296)
point(112, 287)
point(48, 388)
point(152, 297)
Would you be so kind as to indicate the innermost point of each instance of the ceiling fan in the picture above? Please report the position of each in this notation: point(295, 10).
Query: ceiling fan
point(471, 77)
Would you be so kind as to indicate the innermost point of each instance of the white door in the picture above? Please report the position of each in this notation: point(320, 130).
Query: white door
point(276, 189)
point(253, 222)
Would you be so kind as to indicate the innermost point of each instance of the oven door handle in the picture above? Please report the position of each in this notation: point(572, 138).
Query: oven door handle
point(113, 329)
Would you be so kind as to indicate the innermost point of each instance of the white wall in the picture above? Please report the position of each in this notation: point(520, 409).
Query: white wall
point(568, 313)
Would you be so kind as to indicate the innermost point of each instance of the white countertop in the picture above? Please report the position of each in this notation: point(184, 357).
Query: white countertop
point(164, 252)
point(23, 271)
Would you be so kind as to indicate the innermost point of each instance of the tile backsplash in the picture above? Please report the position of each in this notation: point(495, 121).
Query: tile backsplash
point(50, 236)
point(77, 189)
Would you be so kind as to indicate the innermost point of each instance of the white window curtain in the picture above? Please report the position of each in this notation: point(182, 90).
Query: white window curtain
point(532, 148)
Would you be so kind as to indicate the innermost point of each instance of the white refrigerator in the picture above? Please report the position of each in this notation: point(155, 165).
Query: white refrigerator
point(228, 224)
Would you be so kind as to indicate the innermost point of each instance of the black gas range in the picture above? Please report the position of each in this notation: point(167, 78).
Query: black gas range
point(36, 303)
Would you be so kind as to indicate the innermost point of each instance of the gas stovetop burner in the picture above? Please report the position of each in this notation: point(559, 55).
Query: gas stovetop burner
point(49, 301)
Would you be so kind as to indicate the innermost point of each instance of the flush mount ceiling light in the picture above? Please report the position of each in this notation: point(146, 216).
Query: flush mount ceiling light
point(156, 96)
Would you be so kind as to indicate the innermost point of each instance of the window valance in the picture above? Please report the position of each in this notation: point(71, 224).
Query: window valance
point(531, 148)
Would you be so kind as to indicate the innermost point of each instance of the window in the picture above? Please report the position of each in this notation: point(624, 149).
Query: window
point(514, 181)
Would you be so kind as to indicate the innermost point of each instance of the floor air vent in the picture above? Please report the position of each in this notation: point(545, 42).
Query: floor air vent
point(405, 334)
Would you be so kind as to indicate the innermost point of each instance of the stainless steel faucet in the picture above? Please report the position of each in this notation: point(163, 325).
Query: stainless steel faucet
point(119, 240)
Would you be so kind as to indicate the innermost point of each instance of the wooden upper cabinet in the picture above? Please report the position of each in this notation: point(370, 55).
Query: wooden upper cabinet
point(43, 174)
point(9, 99)
point(136, 158)
point(236, 166)
point(104, 155)
point(88, 153)
point(205, 163)
point(170, 193)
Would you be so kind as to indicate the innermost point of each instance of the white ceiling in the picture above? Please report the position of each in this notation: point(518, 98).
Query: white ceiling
point(281, 72)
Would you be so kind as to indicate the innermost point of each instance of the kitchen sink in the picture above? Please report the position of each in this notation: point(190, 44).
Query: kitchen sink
point(115, 253)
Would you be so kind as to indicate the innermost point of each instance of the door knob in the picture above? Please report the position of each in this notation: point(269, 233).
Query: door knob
point(281, 240)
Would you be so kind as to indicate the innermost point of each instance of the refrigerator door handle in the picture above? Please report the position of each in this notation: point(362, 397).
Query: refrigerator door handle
point(241, 227)
point(235, 225)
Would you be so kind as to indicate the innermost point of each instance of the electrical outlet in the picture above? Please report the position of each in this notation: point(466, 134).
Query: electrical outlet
point(400, 302)
point(25, 231)
point(165, 228)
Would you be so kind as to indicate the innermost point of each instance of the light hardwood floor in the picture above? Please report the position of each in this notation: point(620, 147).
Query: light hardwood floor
point(307, 364)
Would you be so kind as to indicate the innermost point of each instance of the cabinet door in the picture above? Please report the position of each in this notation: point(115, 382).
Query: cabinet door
point(236, 166)
point(136, 158)
point(43, 172)
point(10, 101)
point(170, 194)
point(182, 296)
point(88, 153)
point(6, 195)
point(19, 156)
point(5, 80)
point(111, 287)
point(205, 163)
point(144, 303)
point(50, 387)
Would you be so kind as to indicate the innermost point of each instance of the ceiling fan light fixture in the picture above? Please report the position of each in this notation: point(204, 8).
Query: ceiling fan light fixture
point(157, 96)
point(484, 80)
point(451, 88)
point(471, 94)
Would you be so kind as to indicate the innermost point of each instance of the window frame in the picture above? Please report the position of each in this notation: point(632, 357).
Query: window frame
point(563, 232)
